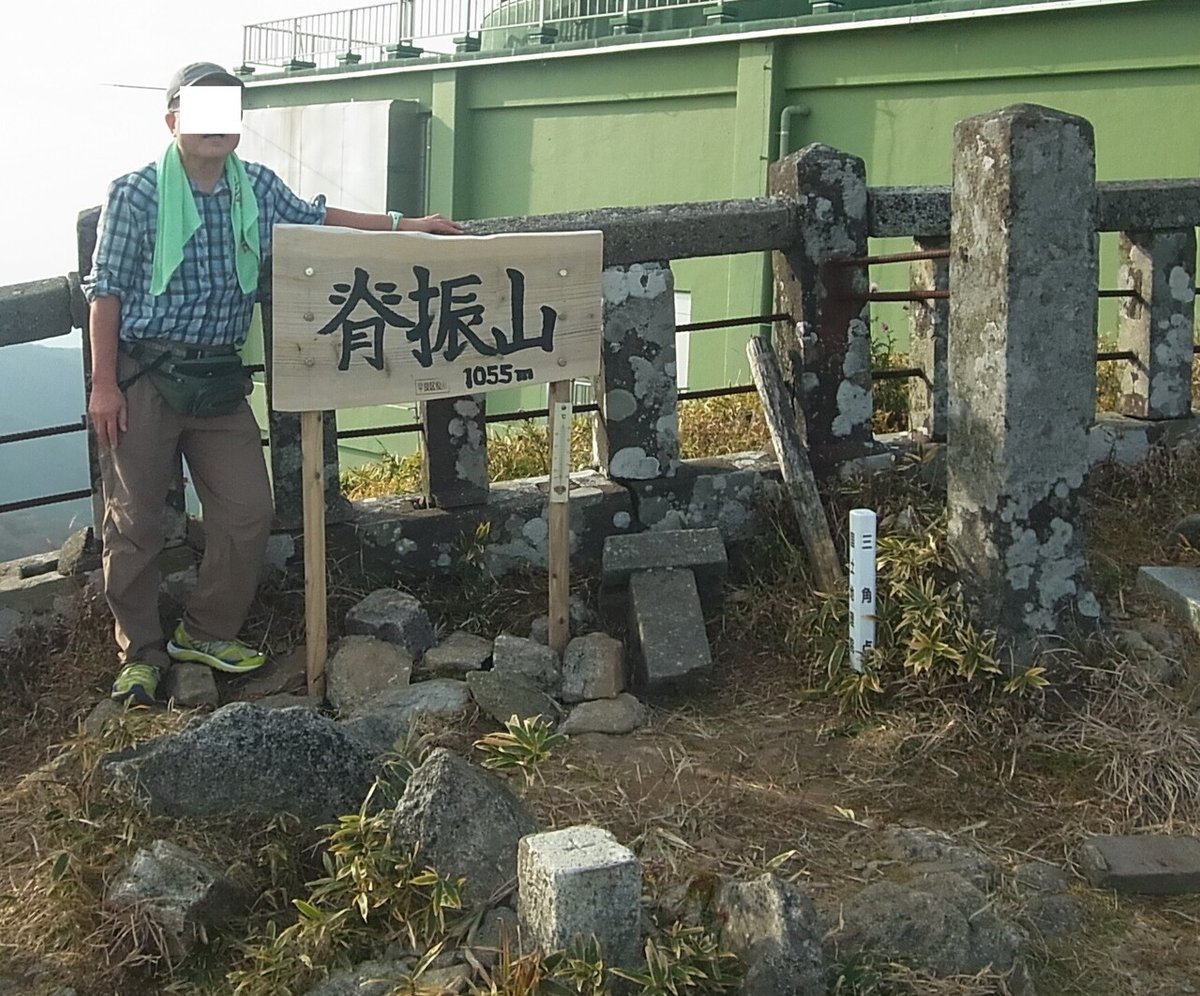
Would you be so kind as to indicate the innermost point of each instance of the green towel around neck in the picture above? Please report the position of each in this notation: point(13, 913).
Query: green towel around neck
point(178, 220)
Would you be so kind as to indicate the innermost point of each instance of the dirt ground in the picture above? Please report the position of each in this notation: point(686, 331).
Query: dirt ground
point(757, 770)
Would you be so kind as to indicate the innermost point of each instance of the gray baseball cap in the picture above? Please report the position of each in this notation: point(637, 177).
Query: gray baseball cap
point(196, 72)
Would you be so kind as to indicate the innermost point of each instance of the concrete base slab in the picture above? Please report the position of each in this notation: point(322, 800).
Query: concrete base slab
point(1179, 587)
point(1154, 864)
point(666, 630)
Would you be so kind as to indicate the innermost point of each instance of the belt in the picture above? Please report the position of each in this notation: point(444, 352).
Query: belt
point(154, 348)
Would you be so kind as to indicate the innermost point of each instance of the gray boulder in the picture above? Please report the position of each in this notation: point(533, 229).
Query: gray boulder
point(1053, 915)
point(624, 714)
point(1034, 877)
point(79, 554)
point(930, 851)
point(466, 822)
point(395, 616)
point(361, 668)
point(593, 668)
point(190, 686)
point(773, 928)
point(380, 722)
point(940, 923)
point(180, 893)
point(525, 660)
point(245, 759)
point(368, 978)
point(502, 698)
point(1186, 532)
point(456, 656)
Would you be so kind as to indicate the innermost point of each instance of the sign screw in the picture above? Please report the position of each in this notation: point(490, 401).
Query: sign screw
point(309, 271)
point(562, 361)
point(309, 361)
point(562, 273)
point(308, 316)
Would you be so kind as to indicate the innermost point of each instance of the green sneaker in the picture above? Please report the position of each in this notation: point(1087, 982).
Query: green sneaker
point(137, 683)
point(224, 655)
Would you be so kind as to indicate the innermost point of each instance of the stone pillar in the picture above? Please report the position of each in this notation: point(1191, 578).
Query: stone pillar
point(1023, 278)
point(454, 438)
point(284, 431)
point(825, 353)
point(928, 322)
point(637, 433)
point(1157, 324)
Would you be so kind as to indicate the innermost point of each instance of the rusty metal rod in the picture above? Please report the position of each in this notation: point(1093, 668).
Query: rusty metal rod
point(52, 430)
point(728, 323)
point(17, 506)
point(908, 295)
point(891, 257)
point(1117, 293)
point(1123, 354)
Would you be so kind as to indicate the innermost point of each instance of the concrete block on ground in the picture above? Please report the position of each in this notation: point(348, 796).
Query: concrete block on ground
point(593, 668)
point(456, 656)
point(1153, 864)
point(517, 658)
point(189, 686)
point(362, 667)
point(700, 550)
point(395, 616)
point(668, 644)
point(1179, 587)
point(580, 882)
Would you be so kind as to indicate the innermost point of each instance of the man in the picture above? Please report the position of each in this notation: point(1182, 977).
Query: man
point(172, 288)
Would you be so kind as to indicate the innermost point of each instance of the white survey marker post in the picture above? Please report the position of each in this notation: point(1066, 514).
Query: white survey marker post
point(862, 584)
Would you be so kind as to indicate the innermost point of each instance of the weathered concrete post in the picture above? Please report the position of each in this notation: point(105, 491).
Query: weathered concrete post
point(1157, 323)
point(1023, 278)
point(284, 432)
point(825, 353)
point(637, 433)
point(454, 439)
point(928, 322)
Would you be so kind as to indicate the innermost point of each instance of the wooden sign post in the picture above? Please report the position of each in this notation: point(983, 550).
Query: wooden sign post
point(374, 318)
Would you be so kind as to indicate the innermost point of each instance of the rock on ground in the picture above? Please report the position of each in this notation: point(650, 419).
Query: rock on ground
point(368, 978)
point(773, 928)
point(624, 714)
point(934, 851)
point(466, 821)
point(502, 698)
point(361, 668)
point(180, 893)
point(190, 686)
point(395, 616)
point(247, 759)
point(593, 668)
point(514, 657)
point(386, 718)
point(456, 656)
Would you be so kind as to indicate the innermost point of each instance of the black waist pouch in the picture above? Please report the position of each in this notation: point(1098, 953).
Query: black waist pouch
point(203, 387)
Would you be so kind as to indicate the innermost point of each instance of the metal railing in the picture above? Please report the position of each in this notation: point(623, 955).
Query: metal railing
point(367, 33)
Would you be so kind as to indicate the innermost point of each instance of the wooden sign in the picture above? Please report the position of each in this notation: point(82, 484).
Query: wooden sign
point(372, 318)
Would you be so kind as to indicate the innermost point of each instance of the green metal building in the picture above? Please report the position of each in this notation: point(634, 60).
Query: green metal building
point(683, 110)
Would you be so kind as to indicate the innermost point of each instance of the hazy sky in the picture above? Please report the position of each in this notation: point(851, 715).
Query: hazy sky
point(69, 132)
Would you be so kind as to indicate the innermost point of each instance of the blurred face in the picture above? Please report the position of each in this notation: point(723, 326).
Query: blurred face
point(200, 147)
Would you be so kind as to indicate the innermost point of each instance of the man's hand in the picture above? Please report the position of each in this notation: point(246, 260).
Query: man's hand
point(108, 413)
point(434, 224)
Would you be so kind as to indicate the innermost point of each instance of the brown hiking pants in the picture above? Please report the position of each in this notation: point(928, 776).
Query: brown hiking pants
point(225, 459)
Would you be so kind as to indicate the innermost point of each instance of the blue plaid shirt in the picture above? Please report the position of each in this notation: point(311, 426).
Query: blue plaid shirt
point(203, 304)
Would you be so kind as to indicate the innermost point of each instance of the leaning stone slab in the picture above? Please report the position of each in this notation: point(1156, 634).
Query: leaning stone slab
point(179, 892)
point(624, 714)
point(666, 630)
point(580, 882)
point(383, 721)
point(395, 616)
point(593, 668)
point(503, 697)
point(517, 658)
point(773, 928)
point(466, 821)
point(190, 686)
point(244, 759)
point(456, 656)
point(1179, 587)
point(362, 667)
point(1154, 864)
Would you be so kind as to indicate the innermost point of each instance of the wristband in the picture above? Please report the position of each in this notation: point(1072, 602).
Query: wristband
point(395, 216)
